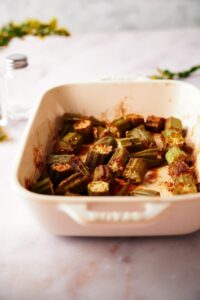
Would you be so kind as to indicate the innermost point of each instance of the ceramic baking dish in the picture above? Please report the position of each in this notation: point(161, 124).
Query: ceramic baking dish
point(110, 216)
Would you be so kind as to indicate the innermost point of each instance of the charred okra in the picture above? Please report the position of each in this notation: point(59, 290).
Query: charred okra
point(135, 119)
point(98, 154)
point(107, 140)
point(179, 167)
point(100, 132)
point(118, 160)
point(43, 186)
point(173, 137)
point(155, 124)
point(70, 144)
point(103, 172)
point(85, 128)
point(59, 172)
point(174, 123)
point(145, 139)
point(59, 159)
point(135, 170)
point(152, 156)
point(144, 192)
point(184, 184)
point(175, 153)
point(75, 183)
point(71, 117)
point(79, 167)
point(98, 188)
point(119, 127)
point(97, 122)
point(128, 142)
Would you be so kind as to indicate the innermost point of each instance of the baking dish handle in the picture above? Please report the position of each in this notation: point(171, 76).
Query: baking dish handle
point(82, 215)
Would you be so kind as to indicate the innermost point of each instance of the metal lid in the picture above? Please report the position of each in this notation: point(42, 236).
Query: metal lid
point(16, 61)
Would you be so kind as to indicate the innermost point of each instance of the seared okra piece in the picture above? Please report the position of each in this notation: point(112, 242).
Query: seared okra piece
point(97, 122)
point(119, 127)
point(68, 127)
point(78, 166)
point(100, 132)
point(128, 142)
point(174, 123)
point(85, 128)
point(152, 157)
point(118, 160)
point(145, 138)
point(135, 119)
point(71, 143)
point(98, 154)
point(59, 159)
point(107, 140)
point(175, 153)
point(98, 188)
point(144, 192)
point(184, 184)
point(123, 190)
point(43, 186)
point(179, 167)
point(59, 172)
point(75, 183)
point(103, 172)
point(71, 117)
point(135, 170)
point(173, 137)
point(155, 124)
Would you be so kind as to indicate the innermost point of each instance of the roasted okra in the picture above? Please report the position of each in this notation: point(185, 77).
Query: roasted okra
point(100, 158)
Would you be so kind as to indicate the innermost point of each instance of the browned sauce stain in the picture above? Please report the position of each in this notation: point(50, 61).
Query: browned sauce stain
point(28, 183)
point(120, 109)
point(114, 249)
point(169, 185)
point(38, 157)
point(151, 176)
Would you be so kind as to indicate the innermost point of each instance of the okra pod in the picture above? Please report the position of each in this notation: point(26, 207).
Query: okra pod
point(155, 124)
point(68, 127)
point(135, 170)
point(175, 153)
point(173, 137)
point(98, 188)
point(59, 159)
point(79, 167)
point(174, 123)
point(145, 139)
point(179, 167)
point(184, 184)
point(123, 190)
point(72, 117)
point(152, 157)
point(85, 128)
point(98, 154)
point(135, 119)
point(97, 122)
point(75, 183)
point(107, 140)
point(103, 172)
point(59, 172)
point(43, 186)
point(71, 143)
point(128, 142)
point(144, 192)
point(118, 160)
point(119, 127)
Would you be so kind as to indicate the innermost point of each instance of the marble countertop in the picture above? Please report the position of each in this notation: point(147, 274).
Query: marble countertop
point(37, 265)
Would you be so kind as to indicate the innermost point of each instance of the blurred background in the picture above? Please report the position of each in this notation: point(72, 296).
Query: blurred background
point(106, 15)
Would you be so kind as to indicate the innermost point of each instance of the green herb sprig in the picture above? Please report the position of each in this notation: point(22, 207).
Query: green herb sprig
point(30, 27)
point(167, 74)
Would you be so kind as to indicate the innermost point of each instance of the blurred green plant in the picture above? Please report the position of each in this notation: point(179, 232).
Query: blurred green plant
point(167, 74)
point(30, 27)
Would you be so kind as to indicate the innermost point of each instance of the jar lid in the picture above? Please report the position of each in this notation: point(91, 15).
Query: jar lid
point(16, 61)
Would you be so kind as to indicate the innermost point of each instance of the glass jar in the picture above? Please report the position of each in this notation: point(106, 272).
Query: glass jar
point(19, 89)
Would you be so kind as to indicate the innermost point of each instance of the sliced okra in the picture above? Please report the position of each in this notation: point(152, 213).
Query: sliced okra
point(98, 154)
point(71, 143)
point(98, 188)
point(184, 184)
point(107, 140)
point(179, 167)
point(85, 128)
point(135, 170)
point(59, 172)
point(72, 117)
point(119, 127)
point(78, 166)
point(173, 123)
point(75, 183)
point(175, 153)
point(103, 172)
point(155, 124)
point(97, 122)
point(59, 159)
point(135, 119)
point(43, 186)
point(118, 160)
point(144, 137)
point(144, 192)
point(173, 137)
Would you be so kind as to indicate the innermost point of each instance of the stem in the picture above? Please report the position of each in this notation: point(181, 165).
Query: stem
point(167, 74)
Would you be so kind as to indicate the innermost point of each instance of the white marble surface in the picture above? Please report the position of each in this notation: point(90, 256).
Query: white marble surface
point(104, 15)
point(36, 265)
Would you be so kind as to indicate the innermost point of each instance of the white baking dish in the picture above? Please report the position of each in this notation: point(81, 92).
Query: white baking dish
point(109, 216)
